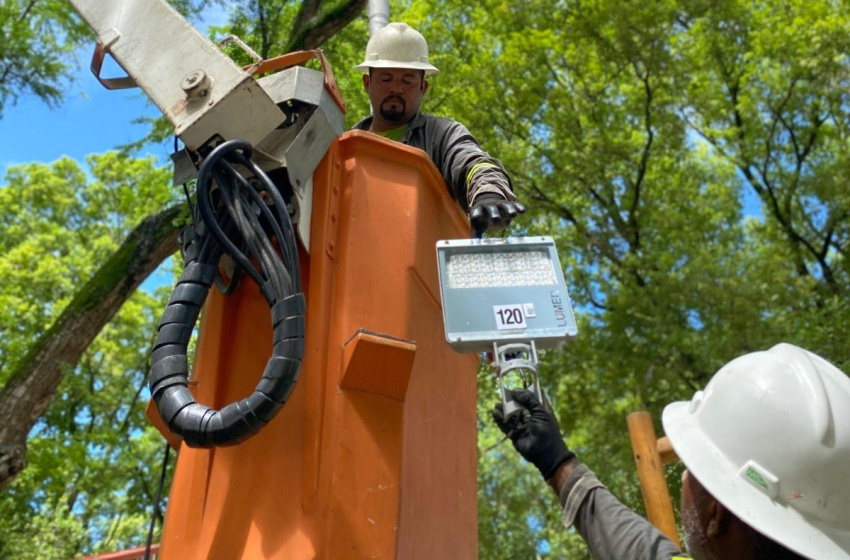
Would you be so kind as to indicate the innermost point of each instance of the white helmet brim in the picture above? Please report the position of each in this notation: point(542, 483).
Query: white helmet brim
point(770, 517)
point(429, 69)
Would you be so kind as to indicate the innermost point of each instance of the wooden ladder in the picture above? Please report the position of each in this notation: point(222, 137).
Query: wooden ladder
point(651, 454)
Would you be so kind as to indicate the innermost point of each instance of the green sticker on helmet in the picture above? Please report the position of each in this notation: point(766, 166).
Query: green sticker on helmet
point(756, 477)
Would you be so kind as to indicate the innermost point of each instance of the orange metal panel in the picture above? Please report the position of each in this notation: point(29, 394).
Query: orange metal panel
point(375, 453)
point(152, 414)
point(378, 364)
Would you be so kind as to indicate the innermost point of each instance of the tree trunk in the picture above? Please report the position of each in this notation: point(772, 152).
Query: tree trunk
point(319, 21)
point(32, 385)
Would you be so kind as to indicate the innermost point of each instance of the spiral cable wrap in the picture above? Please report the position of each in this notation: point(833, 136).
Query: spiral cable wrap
point(236, 223)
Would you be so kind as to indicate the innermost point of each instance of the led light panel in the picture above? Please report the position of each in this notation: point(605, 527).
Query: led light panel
point(500, 270)
point(503, 290)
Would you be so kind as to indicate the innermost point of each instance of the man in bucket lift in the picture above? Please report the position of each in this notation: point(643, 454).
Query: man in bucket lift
point(394, 77)
point(767, 451)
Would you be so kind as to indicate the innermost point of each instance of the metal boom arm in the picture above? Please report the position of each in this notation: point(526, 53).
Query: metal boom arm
point(195, 85)
point(256, 144)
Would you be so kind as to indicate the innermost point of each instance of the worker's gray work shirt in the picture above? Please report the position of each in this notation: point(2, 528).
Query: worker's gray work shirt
point(612, 531)
point(456, 153)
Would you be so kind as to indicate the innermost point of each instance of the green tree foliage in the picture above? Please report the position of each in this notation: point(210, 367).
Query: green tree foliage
point(92, 456)
point(690, 160)
point(276, 27)
point(37, 40)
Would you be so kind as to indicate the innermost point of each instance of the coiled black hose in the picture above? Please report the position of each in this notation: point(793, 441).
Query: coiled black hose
point(237, 223)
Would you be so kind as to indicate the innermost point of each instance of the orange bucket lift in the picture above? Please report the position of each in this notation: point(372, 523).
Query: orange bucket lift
point(375, 453)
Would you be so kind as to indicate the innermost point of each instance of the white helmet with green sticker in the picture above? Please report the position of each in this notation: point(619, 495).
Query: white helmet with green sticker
point(769, 437)
point(397, 46)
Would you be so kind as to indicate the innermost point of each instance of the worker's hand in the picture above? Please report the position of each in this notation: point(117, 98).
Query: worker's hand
point(535, 433)
point(492, 211)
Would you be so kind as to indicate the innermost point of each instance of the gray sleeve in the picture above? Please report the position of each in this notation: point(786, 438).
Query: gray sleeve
point(612, 531)
point(457, 154)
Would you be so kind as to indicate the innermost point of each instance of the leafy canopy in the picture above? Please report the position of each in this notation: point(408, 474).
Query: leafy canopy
point(93, 456)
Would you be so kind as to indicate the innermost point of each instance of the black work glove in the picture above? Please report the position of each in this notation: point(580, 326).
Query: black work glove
point(492, 211)
point(534, 433)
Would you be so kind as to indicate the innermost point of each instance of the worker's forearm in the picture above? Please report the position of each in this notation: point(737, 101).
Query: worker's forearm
point(611, 530)
point(556, 483)
point(488, 179)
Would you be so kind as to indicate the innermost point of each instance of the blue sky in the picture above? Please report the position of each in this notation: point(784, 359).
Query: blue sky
point(91, 119)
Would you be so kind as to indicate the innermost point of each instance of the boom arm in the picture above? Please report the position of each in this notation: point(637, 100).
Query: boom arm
point(256, 144)
point(195, 85)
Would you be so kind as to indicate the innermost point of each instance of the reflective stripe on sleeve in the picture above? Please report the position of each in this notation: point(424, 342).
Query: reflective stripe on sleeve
point(476, 168)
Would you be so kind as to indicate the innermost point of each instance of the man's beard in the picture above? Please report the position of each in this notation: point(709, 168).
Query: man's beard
point(696, 542)
point(393, 115)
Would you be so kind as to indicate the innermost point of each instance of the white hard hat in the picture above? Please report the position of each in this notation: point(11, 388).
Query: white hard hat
point(770, 439)
point(397, 45)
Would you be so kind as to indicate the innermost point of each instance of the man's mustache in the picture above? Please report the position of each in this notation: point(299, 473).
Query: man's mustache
point(394, 97)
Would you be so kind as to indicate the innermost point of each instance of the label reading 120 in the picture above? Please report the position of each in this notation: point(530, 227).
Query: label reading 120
point(509, 316)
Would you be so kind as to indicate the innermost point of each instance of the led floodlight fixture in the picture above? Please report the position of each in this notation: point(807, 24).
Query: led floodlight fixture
point(503, 290)
point(506, 296)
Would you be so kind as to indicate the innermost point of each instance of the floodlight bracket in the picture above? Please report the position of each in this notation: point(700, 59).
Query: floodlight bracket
point(519, 357)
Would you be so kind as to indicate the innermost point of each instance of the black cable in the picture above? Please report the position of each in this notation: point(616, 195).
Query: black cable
point(291, 254)
point(261, 241)
point(156, 507)
point(208, 216)
point(189, 203)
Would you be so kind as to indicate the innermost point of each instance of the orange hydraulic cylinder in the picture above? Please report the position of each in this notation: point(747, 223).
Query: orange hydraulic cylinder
point(374, 455)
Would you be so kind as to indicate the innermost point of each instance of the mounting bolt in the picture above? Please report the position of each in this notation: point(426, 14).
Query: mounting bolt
point(196, 84)
point(193, 79)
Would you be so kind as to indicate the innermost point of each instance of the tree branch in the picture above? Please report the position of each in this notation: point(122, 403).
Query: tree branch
point(315, 25)
point(644, 162)
point(33, 384)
